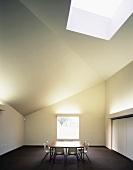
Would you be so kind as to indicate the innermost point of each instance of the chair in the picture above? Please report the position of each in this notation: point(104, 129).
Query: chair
point(46, 151)
point(85, 151)
point(73, 151)
point(59, 151)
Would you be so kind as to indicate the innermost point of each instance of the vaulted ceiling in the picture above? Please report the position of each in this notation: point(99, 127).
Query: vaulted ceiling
point(42, 63)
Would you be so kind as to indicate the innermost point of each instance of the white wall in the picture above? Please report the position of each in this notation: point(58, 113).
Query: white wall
point(119, 136)
point(119, 97)
point(115, 132)
point(41, 125)
point(130, 138)
point(11, 129)
point(123, 136)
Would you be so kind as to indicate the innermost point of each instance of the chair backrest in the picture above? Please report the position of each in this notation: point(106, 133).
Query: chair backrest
point(72, 151)
point(46, 148)
point(59, 150)
point(86, 146)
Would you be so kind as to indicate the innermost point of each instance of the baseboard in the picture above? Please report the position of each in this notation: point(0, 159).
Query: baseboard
point(97, 146)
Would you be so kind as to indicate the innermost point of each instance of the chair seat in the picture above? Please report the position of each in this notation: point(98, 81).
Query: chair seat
point(47, 151)
point(71, 153)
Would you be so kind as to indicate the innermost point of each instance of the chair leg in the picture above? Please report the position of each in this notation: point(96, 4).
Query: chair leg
point(87, 157)
point(51, 156)
point(54, 158)
point(77, 158)
point(80, 156)
point(65, 160)
point(45, 156)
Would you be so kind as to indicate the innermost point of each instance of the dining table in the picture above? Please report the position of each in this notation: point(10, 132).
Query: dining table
point(66, 145)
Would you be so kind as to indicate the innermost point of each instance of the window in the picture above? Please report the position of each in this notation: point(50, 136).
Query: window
point(67, 127)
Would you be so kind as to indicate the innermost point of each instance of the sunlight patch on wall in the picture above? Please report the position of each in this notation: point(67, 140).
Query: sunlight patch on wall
point(68, 109)
point(5, 92)
point(120, 109)
point(1, 102)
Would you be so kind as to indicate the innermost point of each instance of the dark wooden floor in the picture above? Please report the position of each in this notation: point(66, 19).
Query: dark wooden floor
point(30, 158)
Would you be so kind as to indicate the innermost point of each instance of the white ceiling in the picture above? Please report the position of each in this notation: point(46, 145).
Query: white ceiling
point(42, 63)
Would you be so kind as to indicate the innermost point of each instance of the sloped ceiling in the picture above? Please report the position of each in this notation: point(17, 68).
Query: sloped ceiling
point(42, 63)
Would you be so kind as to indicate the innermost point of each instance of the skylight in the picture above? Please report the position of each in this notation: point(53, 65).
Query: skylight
point(100, 7)
point(98, 18)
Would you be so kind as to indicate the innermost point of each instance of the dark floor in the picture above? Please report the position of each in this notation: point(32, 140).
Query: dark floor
point(30, 158)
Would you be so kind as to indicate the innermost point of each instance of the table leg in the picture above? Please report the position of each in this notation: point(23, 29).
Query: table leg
point(51, 153)
point(83, 154)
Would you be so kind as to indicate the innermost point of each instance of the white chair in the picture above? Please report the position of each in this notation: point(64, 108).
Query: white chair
point(46, 151)
point(85, 151)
